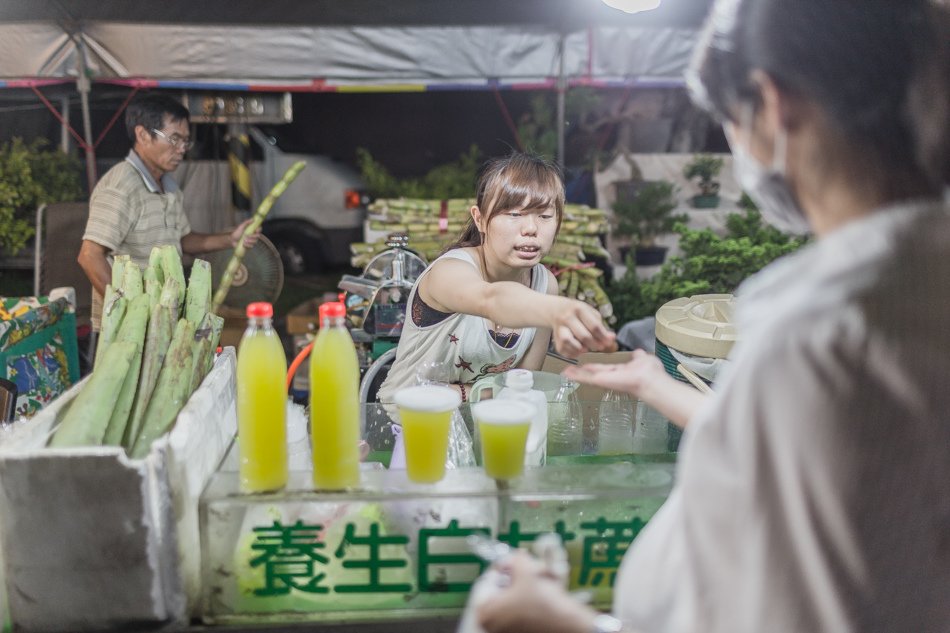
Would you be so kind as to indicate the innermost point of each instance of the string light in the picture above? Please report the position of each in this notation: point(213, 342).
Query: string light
point(632, 6)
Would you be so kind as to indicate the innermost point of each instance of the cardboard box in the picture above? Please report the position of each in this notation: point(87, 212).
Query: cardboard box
point(93, 540)
point(303, 319)
point(586, 392)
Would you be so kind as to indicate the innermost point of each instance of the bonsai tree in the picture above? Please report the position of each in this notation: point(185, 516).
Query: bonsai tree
point(645, 216)
point(705, 168)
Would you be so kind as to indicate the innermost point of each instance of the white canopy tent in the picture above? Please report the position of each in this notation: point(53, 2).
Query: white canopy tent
point(344, 45)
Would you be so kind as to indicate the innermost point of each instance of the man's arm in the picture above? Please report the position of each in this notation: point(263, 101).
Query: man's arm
point(92, 260)
point(198, 243)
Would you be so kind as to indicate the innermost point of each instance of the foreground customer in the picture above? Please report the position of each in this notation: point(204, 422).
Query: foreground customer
point(813, 491)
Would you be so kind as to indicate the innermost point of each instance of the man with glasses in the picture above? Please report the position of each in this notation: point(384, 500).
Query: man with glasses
point(137, 205)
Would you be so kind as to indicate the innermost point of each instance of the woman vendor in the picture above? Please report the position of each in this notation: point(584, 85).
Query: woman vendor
point(487, 304)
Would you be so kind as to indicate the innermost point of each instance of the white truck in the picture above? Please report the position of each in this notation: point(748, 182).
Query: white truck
point(313, 224)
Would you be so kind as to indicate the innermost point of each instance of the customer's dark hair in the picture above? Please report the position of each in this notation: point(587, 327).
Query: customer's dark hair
point(879, 69)
point(149, 111)
point(516, 181)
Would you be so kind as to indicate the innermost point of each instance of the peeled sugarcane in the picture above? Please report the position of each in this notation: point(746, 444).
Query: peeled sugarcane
point(113, 307)
point(155, 263)
point(171, 391)
point(84, 424)
point(160, 329)
point(118, 269)
point(255, 224)
point(132, 331)
point(217, 325)
point(171, 267)
point(132, 281)
point(153, 288)
point(201, 351)
point(198, 297)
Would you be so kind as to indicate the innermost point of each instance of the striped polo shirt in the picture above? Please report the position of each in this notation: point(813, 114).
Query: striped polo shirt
point(129, 215)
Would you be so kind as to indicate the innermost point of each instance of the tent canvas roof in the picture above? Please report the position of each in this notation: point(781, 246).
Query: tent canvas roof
point(317, 45)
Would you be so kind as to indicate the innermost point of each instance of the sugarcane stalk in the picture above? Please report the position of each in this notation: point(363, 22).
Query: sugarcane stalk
point(157, 340)
point(155, 263)
point(201, 351)
point(133, 331)
point(84, 424)
point(118, 269)
point(113, 308)
point(198, 297)
point(171, 391)
point(171, 267)
point(132, 281)
point(153, 288)
point(228, 277)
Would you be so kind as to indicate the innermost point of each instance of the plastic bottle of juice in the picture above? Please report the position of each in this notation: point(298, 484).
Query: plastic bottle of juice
point(334, 403)
point(261, 404)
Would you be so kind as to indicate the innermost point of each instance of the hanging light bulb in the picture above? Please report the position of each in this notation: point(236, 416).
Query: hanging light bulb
point(632, 6)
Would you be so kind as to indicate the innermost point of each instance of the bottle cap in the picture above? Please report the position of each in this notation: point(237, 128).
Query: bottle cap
point(331, 309)
point(520, 379)
point(260, 310)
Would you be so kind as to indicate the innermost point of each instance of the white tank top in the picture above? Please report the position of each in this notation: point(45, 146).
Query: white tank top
point(462, 341)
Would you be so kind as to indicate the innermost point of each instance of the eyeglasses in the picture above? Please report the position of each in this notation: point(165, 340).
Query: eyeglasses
point(175, 141)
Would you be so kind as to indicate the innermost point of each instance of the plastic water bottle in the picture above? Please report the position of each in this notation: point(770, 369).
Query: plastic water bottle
point(565, 423)
point(518, 386)
point(615, 434)
point(650, 432)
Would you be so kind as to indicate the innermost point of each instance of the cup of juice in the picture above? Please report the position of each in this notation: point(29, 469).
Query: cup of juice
point(426, 415)
point(503, 426)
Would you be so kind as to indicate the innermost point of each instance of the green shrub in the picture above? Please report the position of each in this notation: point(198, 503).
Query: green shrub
point(32, 175)
point(648, 214)
point(452, 180)
point(709, 264)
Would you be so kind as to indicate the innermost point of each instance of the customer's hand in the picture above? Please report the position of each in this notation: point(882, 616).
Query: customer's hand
point(577, 328)
point(238, 233)
point(533, 603)
point(636, 377)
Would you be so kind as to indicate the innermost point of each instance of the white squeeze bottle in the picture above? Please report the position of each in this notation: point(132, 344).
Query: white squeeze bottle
point(518, 386)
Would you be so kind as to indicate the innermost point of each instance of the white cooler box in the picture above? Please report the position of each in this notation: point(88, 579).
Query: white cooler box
point(94, 540)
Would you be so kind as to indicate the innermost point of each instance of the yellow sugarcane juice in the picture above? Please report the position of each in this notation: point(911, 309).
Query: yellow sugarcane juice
point(334, 403)
point(503, 426)
point(425, 413)
point(261, 404)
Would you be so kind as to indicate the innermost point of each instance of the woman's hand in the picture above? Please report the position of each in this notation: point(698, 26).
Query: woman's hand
point(644, 377)
point(534, 602)
point(577, 328)
point(635, 377)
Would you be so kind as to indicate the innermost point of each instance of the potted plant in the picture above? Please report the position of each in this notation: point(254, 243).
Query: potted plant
point(705, 168)
point(642, 218)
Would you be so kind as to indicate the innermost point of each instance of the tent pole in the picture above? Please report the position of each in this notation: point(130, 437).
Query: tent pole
point(83, 85)
point(561, 90)
point(64, 129)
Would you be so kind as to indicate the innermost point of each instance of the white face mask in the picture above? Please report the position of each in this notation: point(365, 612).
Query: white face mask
point(767, 186)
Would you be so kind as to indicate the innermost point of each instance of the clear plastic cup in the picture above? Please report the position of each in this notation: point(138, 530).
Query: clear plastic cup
point(503, 426)
point(425, 413)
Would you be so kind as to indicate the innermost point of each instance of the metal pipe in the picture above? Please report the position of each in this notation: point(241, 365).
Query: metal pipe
point(84, 85)
point(64, 130)
point(561, 94)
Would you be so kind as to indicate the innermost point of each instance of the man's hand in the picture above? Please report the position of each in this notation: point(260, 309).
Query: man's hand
point(533, 603)
point(238, 232)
